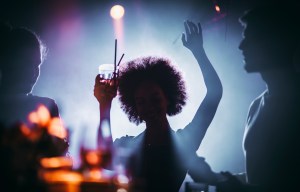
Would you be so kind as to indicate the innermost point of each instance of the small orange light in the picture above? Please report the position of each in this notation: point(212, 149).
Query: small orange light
point(56, 128)
point(43, 114)
point(56, 162)
point(217, 8)
point(62, 176)
point(33, 117)
point(92, 158)
point(95, 174)
point(25, 130)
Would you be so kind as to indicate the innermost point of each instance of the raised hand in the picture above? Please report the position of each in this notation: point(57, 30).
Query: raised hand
point(105, 90)
point(192, 38)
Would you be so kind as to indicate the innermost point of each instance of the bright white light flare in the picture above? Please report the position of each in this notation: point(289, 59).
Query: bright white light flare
point(117, 12)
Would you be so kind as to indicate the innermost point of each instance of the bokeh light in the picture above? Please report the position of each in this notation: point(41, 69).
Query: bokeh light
point(217, 8)
point(117, 12)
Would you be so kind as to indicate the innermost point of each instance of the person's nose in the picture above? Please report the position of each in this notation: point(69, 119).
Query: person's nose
point(242, 45)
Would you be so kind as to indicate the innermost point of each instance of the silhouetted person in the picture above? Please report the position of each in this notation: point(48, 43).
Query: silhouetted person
point(21, 56)
point(271, 140)
point(150, 88)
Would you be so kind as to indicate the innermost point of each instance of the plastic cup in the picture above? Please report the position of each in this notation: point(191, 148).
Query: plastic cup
point(106, 71)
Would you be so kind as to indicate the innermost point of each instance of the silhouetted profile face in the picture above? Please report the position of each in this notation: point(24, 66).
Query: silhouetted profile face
point(20, 67)
point(255, 50)
point(151, 103)
point(269, 38)
point(262, 51)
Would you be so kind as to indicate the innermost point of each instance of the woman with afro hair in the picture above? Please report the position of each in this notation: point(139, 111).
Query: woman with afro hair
point(150, 88)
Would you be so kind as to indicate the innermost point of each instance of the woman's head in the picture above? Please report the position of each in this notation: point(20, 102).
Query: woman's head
point(155, 71)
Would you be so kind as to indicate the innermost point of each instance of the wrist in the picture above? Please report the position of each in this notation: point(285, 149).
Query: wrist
point(199, 51)
point(105, 104)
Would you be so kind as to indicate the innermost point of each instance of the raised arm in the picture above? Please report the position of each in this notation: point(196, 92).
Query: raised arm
point(193, 40)
point(104, 91)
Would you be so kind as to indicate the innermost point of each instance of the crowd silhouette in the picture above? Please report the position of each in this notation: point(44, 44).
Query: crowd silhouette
point(152, 88)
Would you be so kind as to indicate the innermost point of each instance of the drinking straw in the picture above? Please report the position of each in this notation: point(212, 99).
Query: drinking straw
point(115, 65)
point(120, 59)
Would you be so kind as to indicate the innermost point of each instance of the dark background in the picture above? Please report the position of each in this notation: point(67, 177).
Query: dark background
point(38, 13)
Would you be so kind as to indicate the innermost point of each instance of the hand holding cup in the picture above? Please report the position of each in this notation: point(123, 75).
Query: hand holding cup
point(106, 83)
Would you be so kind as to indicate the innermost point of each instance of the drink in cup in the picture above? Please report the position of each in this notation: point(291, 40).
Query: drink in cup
point(106, 71)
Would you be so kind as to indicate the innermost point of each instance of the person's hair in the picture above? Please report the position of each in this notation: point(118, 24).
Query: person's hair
point(14, 39)
point(5, 29)
point(151, 69)
point(278, 22)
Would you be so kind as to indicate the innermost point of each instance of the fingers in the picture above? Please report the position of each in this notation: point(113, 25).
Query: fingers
point(108, 82)
point(193, 27)
point(183, 39)
point(199, 29)
point(186, 27)
point(104, 93)
point(192, 38)
point(105, 85)
point(97, 79)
